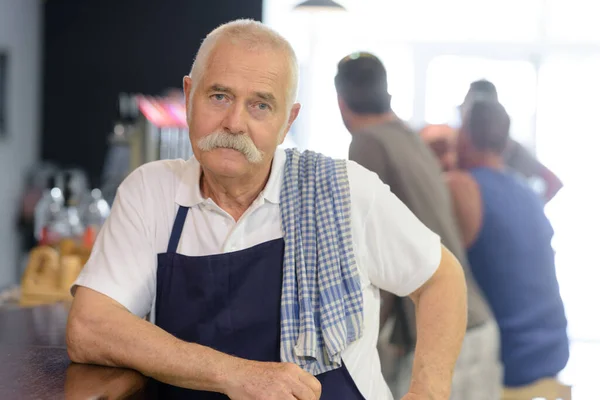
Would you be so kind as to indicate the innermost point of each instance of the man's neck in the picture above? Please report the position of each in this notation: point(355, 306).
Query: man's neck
point(487, 160)
point(363, 121)
point(234, 195)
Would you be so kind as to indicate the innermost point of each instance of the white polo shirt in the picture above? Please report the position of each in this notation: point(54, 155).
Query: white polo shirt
point(394, 251)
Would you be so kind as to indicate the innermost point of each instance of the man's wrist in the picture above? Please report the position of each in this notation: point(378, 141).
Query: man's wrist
point(431, 386)
point(217, 370)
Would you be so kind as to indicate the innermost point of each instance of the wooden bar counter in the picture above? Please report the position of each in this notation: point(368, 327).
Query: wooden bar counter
point(34, 363)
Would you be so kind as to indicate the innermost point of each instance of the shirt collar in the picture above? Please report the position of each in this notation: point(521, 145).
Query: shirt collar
point(188, 191)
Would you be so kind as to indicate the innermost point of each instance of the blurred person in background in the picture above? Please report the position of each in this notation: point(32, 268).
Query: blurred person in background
point(384, 144)
point(441, 139)
point(253, 272)
point(516, 156)
point(508, 240)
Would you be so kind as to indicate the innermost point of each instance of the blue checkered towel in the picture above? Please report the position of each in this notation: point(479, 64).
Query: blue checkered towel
point(321, 302)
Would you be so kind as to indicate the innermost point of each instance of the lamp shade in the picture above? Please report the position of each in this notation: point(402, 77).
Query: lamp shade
point(319, 5)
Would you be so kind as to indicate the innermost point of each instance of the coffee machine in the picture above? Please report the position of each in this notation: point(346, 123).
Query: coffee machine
point(149, 128)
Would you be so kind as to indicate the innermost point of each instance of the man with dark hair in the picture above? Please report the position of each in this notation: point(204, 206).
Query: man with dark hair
point(483, 87)
point(508, 241)
point(491, 123)
point(384, 144)
point(362, 84)
point(516, 156)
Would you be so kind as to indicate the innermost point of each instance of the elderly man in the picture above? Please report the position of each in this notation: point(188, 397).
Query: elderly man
point(509, 242)
point(259, 268)
point(384, 144)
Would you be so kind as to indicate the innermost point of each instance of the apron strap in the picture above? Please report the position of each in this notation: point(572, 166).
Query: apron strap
point(177, 229)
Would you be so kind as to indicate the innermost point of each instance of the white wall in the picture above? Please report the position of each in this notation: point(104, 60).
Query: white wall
point(20, 35)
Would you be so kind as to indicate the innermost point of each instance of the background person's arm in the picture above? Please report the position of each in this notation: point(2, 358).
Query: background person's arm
point(553, 183)
point(518, 158)
point(467, 204)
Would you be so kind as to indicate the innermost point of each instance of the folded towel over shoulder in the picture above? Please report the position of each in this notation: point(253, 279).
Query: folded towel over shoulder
point(321, 302)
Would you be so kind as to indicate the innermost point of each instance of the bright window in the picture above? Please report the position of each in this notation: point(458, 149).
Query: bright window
point(573, 21)
point(448, 79)
point(568, 143)
point(442, 20)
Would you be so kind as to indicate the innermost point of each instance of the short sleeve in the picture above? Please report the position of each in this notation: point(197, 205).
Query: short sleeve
point(122, 265)
point(397, 250)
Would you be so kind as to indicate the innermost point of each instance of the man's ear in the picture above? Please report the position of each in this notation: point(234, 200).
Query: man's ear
point(293, 115)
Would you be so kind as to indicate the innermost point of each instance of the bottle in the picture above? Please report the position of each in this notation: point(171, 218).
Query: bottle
point(68, 227)
point(71, 213)
point(47, 214)
point(95, 210)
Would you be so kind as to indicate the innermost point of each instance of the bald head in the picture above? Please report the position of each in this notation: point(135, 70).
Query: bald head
point(251, 35)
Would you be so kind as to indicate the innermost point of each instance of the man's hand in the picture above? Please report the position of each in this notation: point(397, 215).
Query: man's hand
point(254, 380)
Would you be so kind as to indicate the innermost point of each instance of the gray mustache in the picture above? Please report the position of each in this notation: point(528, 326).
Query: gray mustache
point(241, 143)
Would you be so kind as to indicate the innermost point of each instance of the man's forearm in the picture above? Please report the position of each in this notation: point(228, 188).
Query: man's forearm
point(441, 323)
point(553, 183)
point(112, 336)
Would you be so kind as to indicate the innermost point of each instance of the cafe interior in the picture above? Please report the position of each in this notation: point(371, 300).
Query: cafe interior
point(90, 90)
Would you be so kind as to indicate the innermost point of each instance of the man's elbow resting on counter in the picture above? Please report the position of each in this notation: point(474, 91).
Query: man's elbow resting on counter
point(76, 335)
point(82, 338)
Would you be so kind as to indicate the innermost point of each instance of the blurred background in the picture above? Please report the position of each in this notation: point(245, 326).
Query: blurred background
point(90, 89)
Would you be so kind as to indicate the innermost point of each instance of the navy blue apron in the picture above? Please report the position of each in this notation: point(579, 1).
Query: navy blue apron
point(231, 303)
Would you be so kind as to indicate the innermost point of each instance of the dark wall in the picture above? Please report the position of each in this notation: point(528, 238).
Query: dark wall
point(95, 49)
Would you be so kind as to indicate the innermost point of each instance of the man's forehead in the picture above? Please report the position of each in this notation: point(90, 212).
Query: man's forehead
point(263, 71)
point(266, 57)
